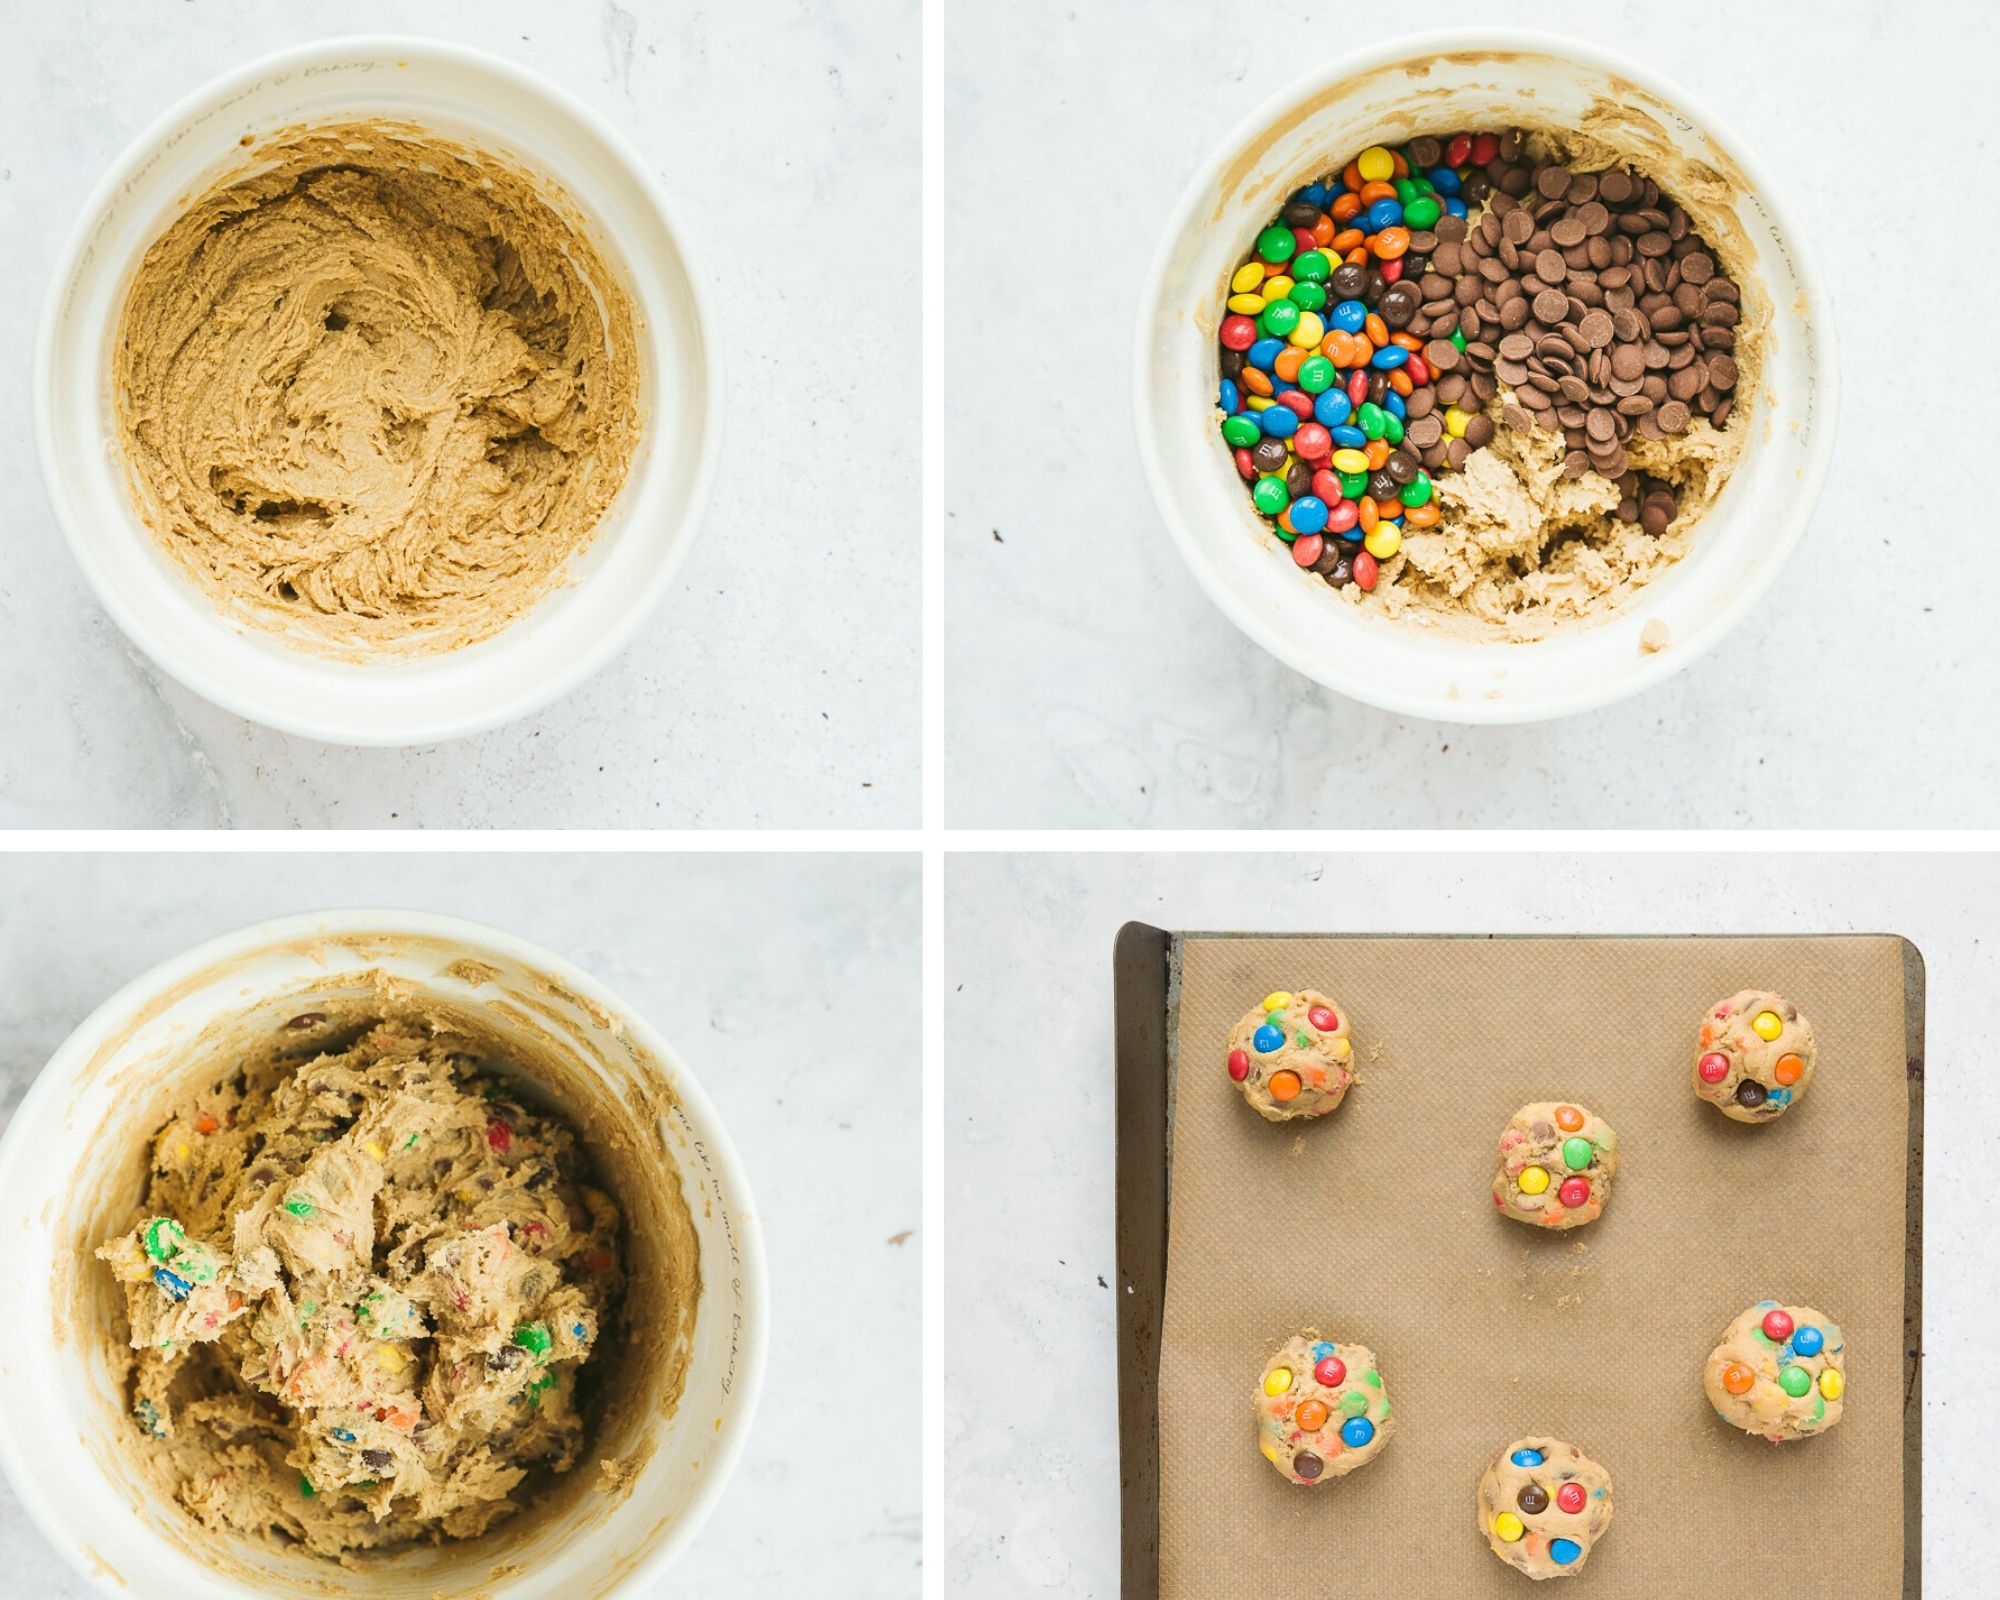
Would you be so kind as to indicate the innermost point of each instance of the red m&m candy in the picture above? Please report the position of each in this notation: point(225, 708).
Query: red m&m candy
point(1777, 1326)
point(1574, 1192)
point(1570, 1497)
point(1323, 1019)
point(1331, 1371)
point(1238, 332)
point(1714, 1068)
point(1239, 1065)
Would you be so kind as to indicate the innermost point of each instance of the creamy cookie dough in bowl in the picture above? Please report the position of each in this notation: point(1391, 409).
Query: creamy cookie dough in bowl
point(373, 1253)
point(376, 392)
point(1552, 568)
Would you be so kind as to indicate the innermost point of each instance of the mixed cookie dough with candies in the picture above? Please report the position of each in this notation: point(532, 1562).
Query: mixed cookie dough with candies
point(1780, 1371)
point(361, 1287)
point(1556, 1165)
point(1756, 1056)
point(1321, 1409)
point(1543, 1504)
point(1488, 379)
point(1291, 1056)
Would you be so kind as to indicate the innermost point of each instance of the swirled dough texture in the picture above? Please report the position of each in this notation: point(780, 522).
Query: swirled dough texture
point(362, 1285)
point(1778, 1371)
point(376, 390)
point(1543, 1505)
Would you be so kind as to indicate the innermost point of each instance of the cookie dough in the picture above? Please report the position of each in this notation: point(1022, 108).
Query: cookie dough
point(1756, 1056)
point(1780, 1371)
point(1525, 552)
point(1543, 1505)
point(1556, 1165)
point(362, 1287)
point(1291, 1056)
point(376, 389)
point(1321, 1409)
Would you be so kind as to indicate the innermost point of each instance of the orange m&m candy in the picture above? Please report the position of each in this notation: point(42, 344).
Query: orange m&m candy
point(1737, 1378)
point(1568, 1118)
point(1312, 1416)
point(1788, 1069)
point(1284, 1086)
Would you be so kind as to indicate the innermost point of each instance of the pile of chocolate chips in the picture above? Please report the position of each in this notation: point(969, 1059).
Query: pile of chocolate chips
point(1593, 299)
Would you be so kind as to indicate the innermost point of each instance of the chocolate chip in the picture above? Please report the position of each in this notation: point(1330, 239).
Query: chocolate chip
point(1614, 187)
point(1441, 355)
point(377, 1459)
point(1672, 417)
point(1551, 183)
point(1597, 329)
point(1551, 306)
point(308, 1019)
point(1479, 431)
point(1722, 371)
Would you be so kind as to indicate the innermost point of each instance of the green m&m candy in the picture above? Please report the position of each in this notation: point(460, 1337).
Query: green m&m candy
point(1279, 318)
point(1416, 493)
point(1276, 244)
point(1315, 375)
point(1576, 1152)
point(1241, 432)
point(1312, 266)
point(1421, 211)
point(1271, 496)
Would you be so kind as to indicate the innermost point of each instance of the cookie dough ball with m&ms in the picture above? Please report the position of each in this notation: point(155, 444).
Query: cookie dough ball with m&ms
point(1780, 1371)
point(1755, 1059)
point(1291, 1056)
point(1321, 1409)
point(1542, 1505)
point(1556, 1162)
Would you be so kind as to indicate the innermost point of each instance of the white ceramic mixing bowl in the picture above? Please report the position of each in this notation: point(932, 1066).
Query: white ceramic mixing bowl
point(615, 584)
point(73, 1164)
point(1440, 82)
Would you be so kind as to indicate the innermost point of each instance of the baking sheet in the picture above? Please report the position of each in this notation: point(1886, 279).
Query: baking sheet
point(1377, 1226)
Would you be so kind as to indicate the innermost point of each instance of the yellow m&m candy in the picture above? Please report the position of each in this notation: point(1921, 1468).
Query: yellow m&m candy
point(1375, 164)
point(1533, 1180)
point(1277, 1381)
point(1508, 1528)
point(1831, 1384)
point(1277, 1000)
point(1768, 1024)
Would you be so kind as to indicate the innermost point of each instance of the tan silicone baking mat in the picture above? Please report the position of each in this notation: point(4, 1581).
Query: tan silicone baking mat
point(1378, 1226)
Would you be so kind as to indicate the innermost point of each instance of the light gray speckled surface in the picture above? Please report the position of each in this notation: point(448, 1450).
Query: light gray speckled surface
point(1030, 1421)
point(1093, 684)
point(696, 944)
point(787, 136)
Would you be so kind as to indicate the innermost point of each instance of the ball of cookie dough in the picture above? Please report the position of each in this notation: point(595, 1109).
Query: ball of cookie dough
point(1780, 1371)
point(1556, 1162)
point(1542, 1505)
point(1756, 1056)
point(1291, 1056)
point(1321, 1409)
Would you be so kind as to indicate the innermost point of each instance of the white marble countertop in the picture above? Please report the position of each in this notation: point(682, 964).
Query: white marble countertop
point(788, 137)
point(1093, 684)
point(830, 1138)
point(1030, 1417)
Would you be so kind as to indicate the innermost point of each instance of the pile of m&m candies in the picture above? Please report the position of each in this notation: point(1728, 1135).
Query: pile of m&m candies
point(1319, 373)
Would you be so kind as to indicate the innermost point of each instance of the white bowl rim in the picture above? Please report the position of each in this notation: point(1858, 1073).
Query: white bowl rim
point(605, 645)
point(1587, 696)
point(167, 975)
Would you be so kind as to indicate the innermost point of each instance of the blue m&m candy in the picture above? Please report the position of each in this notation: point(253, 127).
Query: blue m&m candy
point(1348, 316)
point(1332, 408)
point(1356, 1431)
point(1563, 1551)
point(1526, 1458)
point(1808, 1341)
point(1264, 353)
point(1267, 1039)
point(177, 1287)
point(1309, 514)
